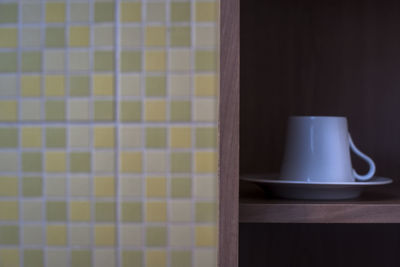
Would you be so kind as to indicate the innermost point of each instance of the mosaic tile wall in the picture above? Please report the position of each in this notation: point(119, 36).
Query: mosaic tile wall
point(108, 133)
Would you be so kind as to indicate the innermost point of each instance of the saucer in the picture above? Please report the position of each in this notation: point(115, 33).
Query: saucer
point(312, 190)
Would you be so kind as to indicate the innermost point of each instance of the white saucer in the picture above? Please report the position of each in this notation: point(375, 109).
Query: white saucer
point(312, 190)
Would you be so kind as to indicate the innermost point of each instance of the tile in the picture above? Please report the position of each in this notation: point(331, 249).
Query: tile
point(104, 235)
point(79, 61)
point(181, 187)
point(57, 258)
point(79, 36)
point(31, 37)
point(54, 60)
point(55, 12)
point(31, 61)
point(180, 11)
point(156, 236)
point(104, 161)
point(32, 211)
point(204, 257)
point(156, 137)
point(156, 162)
point(155, 85)
point(205, 60)
point(79, 85)
point(156, 212)
point(80, 186)
point(130, 111)
point(131, 235)
point(155, 60)
point(206, 137)
point(103, 61)
point(181, 111)
point(104, 187)
point(131, 187)
point(79, 12)
point(205, 236)
point(30, 110)
point(206, 162)
point(180, 236)
point(181, 162)
point(156, 12)
point(131, 12)
point(206, 212)
point(205, 187)
point(80, 162)
point(31, 161)
point(10, 257)
point(79, 235)
point(131, 162)
point(8, 37)
point(9, 161)
point(103, 110)
point(9, 234)
point(33, 235)
point(132, 258)
point(33, 258)
point(30, 86)
point(79, 136)
point(79, 211)
point(81, 258)
point(104, 257)
point(180, 85)
point(156, 187)
point(131, 61)
point(131, 36)
point(31, 13)
point(9, 211)
point(56, 186)
point(105, 212)
point(206, 11)
point(8, 13)
point(205, 110)
point(55, 37)
point(155, 110)
point(8, 60)
point(56, 235)
point(103, 35)
point(103, 85)
point(104, 137)
point(8, 186)
point(156, 258)
point(130, 85)
point(206, 36)
point(103, 12)
point(180, 60)
point(32, 186)
point(181, 258)
point(54, 85)
point(131, 212)
point(180, 137)
point(156, 36)
point(206, 85)
point(79, 110)
point(56, 211)
point(180, 36)
point(130, 137)
point(181, 211)
point(56, 161)
point(8, 137)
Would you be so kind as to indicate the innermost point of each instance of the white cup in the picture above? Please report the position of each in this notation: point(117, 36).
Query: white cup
point(317, 150)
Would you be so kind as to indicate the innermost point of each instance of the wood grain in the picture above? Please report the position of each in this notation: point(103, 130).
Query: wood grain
point(229, 134)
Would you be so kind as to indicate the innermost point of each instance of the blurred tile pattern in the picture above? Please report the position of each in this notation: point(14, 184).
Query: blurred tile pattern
point(108, 133)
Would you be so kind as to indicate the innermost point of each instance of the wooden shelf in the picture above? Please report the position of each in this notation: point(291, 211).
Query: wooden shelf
point(376, 205)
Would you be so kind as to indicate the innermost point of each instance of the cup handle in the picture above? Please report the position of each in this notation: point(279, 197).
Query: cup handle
point(372, 168)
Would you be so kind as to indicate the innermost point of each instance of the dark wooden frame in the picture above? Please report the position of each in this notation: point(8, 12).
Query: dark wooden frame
point(229, 133)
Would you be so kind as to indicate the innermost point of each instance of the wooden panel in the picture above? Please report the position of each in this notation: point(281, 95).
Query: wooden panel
point(229, 134)
point(320, 58)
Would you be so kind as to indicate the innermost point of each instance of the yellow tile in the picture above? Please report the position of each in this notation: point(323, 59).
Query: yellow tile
point(30, 86)
point(8, 186)
point(181, 137)
point(55, 85)
point(156, 212)
point(206, 162)
point(155, 61)
point(206, 85)
point(131, 12)
point(8, 37)
point(31, 137)
point(9, 211)
point(79, 211)
point(131, 162)
point(55, 12)
point(55, 162)
point(155, 110)
point(56, 235)
point(104, 186)
point(8, 111)
point(79, 36)
point(155, 36)
point(9, 257)
point(104, 137)
point(103, 85)
point(206, 11)
point(156, 187)
point(156, 258)
point(206, 236)
point(104, 235)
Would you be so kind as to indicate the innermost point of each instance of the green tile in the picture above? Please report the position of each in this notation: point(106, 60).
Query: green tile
point(180, 111)
point(181, 258)
point(131, 212)
point(79, 86)
point(32, 186)
point(156, 236)
point(104, 61)
point(79, 12)
point(155, 86)
point(181, 162)
point(206, 137)
point(105, 212)
point(131, 61)
point(181, 187)
point(31, 161)
point(132, 258)
point(9, 234)
point(131, 111)
point(55, 37)
point(206, 212)
point(81, 258)
point(33, 258)
point(31, 62)
point(56, 211)
point(8, 61)
point(9, 13)
point(8, 137)
point(104, 12)
point(180, 36)
point(55, 137)
point(80, 162)
point(104, 110)
point(180, 11)
point(156, 137)
point(205, 61)
point(55, 110)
